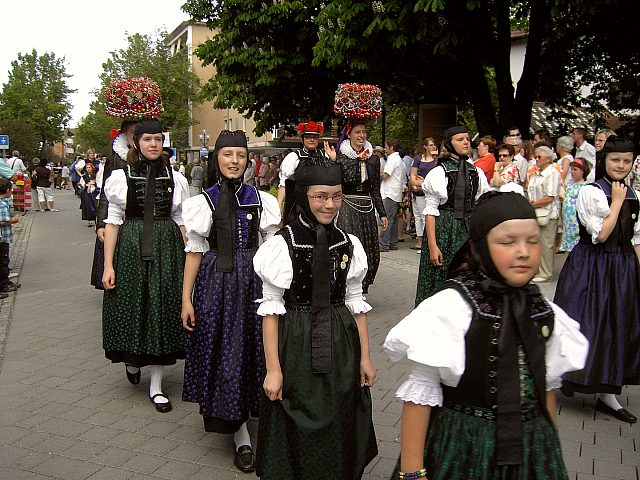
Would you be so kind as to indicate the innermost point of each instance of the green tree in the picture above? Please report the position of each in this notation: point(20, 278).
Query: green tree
point(146, 56)
point(425, 51)
point(94, 128)
point(263, 64)
point(37, 94)
point(22, 137)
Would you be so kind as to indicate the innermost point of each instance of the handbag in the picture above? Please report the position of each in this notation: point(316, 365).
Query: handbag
point(542, 216)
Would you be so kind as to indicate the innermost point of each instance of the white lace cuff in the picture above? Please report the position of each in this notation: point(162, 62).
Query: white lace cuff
point(358, 306)
point(271, 306)
point(553, 384)
point(196, 244)
point(420, 393)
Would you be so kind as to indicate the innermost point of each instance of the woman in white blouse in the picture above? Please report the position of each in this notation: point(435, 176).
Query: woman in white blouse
point(544, 196)
point(143, 263)
point(223, 364)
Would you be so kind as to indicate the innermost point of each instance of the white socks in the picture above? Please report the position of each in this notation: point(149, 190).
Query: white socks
point(610, 400)
point(157, 371)
point(241, 437)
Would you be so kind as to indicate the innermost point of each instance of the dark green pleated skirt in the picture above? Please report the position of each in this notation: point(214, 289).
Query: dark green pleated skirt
point(462, 447)
point(322, 429)
point(451, 233)
point(141, 322)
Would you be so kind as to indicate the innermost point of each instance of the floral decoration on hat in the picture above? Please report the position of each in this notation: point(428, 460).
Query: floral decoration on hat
point(310, 127)
point(133, 99)
point(354, 100)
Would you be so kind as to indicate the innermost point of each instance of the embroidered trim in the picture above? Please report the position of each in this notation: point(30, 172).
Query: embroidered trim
point(168, 177)
point(344, 240)
point(491, 315)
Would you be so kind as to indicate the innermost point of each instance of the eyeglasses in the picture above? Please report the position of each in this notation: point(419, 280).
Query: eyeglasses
point(501, 155)
point(320, 198)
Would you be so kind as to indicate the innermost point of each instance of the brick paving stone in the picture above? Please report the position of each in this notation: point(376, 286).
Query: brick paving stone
point(177, 470)
point(144, 463)
point(113, 456)
point(111, 474)
point(615, 470)
point(67, 468)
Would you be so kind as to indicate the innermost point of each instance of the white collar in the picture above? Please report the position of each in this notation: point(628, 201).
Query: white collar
point(347, 149)
point(120, 146)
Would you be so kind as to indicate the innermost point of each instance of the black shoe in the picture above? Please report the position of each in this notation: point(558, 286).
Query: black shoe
point(243, 459)
point(12, 287)
point(161, 407)
point(622, 414)
point(132, 377)
point(3, 295)
point(566, 391)
point(393, 247)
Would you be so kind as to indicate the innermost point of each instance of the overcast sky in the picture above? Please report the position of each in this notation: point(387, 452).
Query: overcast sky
point(84, 32)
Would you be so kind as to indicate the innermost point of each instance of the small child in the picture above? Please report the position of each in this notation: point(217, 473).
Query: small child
point(579, 170)
point(489, 349)
point(598, 284)
point(6, 237)
point(315, 416)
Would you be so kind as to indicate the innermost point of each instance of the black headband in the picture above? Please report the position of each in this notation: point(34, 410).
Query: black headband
point(494, 208)
point(147, 126)
point(228, 138)
point(308, 175)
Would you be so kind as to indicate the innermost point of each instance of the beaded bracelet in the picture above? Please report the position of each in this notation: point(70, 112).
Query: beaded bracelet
point(413, 475)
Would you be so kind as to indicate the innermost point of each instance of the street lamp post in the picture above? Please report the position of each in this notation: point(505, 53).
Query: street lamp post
point(204, 138)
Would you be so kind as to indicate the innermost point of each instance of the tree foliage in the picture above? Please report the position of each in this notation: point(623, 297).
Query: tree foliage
point(22, 137)
point(146, 56)
point(281, 60)
point(263, 63)
point(35, 99)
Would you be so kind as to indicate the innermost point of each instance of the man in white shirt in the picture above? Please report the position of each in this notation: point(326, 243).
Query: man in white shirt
point(15, 163)
point(585, 150)
point(391, 187)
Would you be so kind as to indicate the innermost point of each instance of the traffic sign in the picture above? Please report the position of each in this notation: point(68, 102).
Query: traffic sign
point(4, 142)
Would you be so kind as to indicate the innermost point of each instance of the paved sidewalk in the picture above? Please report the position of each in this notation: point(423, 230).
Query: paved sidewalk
point(67, 413)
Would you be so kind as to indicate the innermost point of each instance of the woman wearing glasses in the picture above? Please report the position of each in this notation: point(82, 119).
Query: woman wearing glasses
point(315, 416)
point(506, 176)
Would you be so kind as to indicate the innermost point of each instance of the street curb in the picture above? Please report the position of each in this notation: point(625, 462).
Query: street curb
point(18, 250)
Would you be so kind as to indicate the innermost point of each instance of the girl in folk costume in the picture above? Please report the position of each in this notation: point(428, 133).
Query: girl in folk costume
point(361, 187)
point(489, 349)
point(143, 263)
point(132, 100)
point(451, 190)
point(309, 154)
point(88, 193)
point(315, 416)
point(598, 284)
point(223, 367)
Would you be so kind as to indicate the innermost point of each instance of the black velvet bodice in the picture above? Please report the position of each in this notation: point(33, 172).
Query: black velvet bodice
point(247, 224)
point(620, 239)
point(478, 385)
point(137, 187)
point(352, 183)
point(450, 167)
point(300, 240)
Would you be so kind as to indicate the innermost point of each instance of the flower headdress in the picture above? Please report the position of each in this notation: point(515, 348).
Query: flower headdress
point(354, 100)
point(133, 99)
point(310, 127)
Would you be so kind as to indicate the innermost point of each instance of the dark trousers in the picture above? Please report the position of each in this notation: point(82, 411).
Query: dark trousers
point(4, 266)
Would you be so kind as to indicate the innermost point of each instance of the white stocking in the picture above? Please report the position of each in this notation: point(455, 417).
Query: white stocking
point(157, 371)
point(133, 370)
point(610, 400)
point(241, 437)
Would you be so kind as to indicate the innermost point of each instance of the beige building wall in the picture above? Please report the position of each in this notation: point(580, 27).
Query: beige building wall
point(208, 118)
